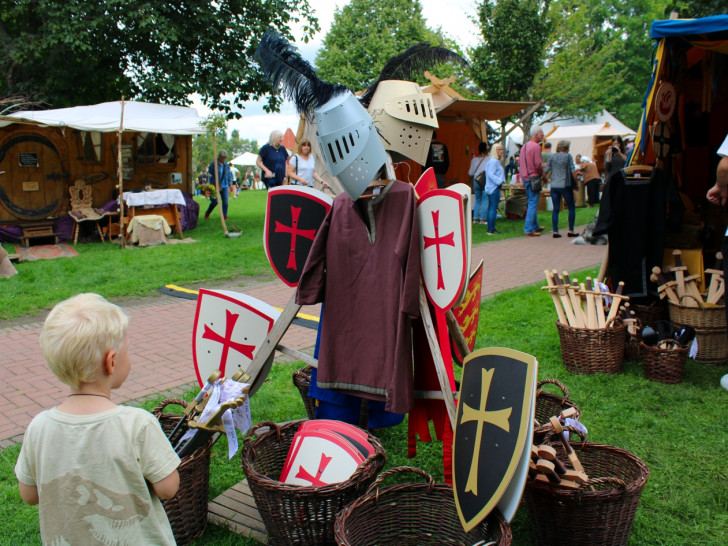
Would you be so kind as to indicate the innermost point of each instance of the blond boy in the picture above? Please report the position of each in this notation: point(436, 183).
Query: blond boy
point(96, 469)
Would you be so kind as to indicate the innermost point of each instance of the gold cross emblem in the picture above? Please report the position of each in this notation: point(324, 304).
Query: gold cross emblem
point(498, 418)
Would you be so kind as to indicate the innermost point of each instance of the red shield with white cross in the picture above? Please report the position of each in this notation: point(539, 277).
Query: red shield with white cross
point(229, 329)
point(293, 216)
point(443, 254)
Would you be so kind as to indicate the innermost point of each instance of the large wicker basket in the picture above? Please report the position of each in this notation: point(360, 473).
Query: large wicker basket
point(187, 510)
point(295, 514)
point(593, 350)
point(602, 511)
point(665, 364)
point(710, 330)
point(413, 514)
point(549, 405)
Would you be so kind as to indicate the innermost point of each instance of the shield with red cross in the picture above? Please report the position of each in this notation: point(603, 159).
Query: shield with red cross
point(293, 215)
point(443, 255)
point(229, 329)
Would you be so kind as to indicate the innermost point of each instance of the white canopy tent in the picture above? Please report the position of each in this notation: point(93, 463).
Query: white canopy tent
point(106, 118)
point(245, 160)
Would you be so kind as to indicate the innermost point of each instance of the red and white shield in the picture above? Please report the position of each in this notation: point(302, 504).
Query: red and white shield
point(443, 255)
point(229, 329)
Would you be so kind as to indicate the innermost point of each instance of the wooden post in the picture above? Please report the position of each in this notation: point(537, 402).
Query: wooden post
point(121, 181)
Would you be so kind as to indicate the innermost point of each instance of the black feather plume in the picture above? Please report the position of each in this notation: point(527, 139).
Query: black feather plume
point(285, 68)
point(410, 65)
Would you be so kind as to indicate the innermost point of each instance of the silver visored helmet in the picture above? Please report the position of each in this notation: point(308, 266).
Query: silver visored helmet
point(405, 118)
point(351, 148)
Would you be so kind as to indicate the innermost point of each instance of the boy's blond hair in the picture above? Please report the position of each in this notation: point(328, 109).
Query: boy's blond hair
point(77, 335)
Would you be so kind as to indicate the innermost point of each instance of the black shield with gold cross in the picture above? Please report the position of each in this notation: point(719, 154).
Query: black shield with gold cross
point(493, 422)
point(292, 217)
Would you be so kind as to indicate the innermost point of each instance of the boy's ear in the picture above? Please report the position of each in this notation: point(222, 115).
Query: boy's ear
point(109, 362)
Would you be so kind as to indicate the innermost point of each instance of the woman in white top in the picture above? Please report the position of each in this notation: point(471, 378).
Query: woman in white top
point(301, 166)
point(477, 166)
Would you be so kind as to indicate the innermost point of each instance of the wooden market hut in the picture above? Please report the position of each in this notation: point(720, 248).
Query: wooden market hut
point(692, 57)
point(43, 153)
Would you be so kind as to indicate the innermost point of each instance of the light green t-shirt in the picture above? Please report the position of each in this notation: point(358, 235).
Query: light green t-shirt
point(90, 471)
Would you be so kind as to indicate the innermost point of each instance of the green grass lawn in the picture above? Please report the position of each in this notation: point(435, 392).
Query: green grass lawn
point(679, 431)
point(135, 272)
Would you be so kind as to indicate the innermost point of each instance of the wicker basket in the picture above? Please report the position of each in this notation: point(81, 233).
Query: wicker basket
point(650, 314)
point(710, 330)
point(413, 514)
point(187, 510)
point(295, 514)
point(632, 343)
point(593, 350)
point(600, 512)
point(302, 381)
point(548, 405)
point(666, 362)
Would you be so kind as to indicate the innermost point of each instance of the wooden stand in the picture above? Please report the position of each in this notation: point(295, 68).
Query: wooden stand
point(36, 230)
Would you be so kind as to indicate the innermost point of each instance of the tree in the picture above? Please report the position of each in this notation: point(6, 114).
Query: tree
point(365, 35)
point(697, 8)
point(599, 57)
point(514, 44)
point(202, 153)
point(72, 52)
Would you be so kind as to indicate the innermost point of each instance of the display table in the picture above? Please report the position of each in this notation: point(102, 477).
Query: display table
point(161, 202)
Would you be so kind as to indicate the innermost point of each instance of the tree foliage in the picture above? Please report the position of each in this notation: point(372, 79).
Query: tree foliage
point(515, 36)
point(202, 154)
point(365, 35)
point(72, 52)
point(697, 8)
point(599, 57)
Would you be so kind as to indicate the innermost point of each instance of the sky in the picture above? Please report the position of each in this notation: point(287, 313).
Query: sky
point(256, 124)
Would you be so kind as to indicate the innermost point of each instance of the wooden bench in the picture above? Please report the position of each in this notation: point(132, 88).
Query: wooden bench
point(37, 230)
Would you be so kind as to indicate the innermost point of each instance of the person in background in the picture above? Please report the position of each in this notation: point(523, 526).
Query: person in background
point(510, 168)
point(546, 152)
point(614, 158)
point(235, 185)
point(494, 180)
point(302, 166)
point(272, 159)
point(477, 166)
point(560, 165)
point(248, 181)
point(592, 180)
point(96, 470)
point(530, 167)
point(439, 159)
point(225, 178)
point(718, 195)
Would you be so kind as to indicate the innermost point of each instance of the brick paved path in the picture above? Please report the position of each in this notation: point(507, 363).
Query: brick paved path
point(161, 328)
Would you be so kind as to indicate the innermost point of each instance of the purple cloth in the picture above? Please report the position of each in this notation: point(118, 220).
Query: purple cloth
point(188, 215)
point(10, 234)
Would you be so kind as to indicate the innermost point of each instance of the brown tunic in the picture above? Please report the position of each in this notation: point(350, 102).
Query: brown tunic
point(368, 276)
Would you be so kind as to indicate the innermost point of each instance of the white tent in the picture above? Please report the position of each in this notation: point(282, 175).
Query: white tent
point(244, 160)
point(106, 117)
point(584, 136)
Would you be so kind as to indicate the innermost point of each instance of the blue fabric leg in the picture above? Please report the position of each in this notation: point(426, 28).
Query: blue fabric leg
point(479, 196)
point(571, 205)
point(531, 223)
point(556, 194)
point(493, 200)
point(224, 198)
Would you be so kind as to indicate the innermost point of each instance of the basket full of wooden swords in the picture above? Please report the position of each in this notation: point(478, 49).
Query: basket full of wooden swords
point(591, 332)
point(702, 310)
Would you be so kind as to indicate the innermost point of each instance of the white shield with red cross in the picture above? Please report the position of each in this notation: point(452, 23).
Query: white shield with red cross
point(443, 254)
point(293, 216)
point(229, 329)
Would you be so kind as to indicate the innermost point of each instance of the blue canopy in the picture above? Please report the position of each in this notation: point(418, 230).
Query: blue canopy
point(688, 27)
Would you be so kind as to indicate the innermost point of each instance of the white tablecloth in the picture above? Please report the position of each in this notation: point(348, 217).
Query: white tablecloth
point(154, 198)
